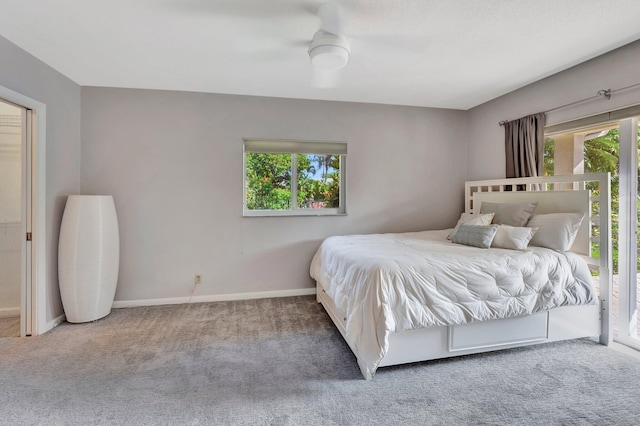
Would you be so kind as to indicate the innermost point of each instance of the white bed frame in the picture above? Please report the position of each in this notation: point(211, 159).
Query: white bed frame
point(553, 194)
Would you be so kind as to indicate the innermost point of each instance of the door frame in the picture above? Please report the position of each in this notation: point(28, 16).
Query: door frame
point(38, 270)
point(627, 236)
point(26, 255)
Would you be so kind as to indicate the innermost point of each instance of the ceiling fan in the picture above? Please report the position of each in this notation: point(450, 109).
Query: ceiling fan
point(338, 34)
point(329, 49)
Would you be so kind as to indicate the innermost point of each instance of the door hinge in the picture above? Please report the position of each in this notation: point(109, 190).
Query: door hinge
point(28, 236)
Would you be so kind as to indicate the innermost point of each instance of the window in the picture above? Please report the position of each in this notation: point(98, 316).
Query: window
point(294, 178)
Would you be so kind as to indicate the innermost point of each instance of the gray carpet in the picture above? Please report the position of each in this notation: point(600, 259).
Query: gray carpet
point(281, 362)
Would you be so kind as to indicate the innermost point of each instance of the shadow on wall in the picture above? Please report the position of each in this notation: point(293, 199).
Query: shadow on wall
point(410, 216)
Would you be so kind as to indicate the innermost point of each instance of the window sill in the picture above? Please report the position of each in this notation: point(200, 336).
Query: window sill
point(296, 213)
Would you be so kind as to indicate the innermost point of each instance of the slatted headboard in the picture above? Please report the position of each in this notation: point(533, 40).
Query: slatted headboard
point(587, 193)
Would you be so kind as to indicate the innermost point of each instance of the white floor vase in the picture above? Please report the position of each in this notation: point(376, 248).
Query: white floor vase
point(88, 257)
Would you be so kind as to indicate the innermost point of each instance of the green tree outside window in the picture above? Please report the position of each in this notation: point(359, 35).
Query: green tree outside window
point(269, 181)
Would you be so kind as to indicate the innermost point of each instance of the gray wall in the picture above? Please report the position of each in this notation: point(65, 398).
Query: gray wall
point(617, 69)
point(22, 73)
point(173, 162)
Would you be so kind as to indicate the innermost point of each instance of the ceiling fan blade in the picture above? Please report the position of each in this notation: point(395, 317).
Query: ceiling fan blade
point(247, 8)
point(298, 43)
point(394, 43)
point(332, 16)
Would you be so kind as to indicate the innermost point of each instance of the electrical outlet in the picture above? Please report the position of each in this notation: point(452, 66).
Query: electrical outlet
point(198, 279)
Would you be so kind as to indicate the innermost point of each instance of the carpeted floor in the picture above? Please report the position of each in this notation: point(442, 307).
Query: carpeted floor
point(10, 327)
point(281, 362)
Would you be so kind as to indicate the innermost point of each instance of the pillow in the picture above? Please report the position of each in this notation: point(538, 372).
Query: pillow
point(556, 231)
point(513, 238)
point(509, 214)
point(473, 219)
point(474, 235)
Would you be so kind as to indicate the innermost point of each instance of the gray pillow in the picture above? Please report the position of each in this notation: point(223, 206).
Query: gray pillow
point(509, 214)
point(556, 231)
point(474, 235)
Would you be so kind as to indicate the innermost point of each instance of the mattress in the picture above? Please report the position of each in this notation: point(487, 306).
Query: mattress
point(386, 283)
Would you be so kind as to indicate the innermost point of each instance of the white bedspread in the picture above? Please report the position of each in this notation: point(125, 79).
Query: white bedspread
point(387, 283)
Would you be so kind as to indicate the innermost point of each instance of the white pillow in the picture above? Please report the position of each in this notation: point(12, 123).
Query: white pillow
point(473, 219)
point(556, 231)
point(476, 219)
point(512, 237)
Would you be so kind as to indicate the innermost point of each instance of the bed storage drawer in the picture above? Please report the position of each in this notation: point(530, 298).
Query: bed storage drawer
point(495, 333)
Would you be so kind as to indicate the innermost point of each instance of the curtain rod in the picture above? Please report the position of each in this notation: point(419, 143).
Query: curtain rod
point(606, 93)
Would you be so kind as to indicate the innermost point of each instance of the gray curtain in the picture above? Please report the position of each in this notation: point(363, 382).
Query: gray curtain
point(524, 146)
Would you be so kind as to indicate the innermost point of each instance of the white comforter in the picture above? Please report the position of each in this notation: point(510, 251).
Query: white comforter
point(387, 283)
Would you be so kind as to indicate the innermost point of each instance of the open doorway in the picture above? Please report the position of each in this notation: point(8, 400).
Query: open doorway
point(33, 308)
point(612, 147)
point(12, 273)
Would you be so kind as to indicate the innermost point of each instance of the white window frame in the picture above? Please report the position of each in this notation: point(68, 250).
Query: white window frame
point(295, 147)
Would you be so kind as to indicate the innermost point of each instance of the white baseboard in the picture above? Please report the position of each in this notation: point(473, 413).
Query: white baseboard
point(213, 298)
point(9, 312)
point(629, 347)
point(55, 322)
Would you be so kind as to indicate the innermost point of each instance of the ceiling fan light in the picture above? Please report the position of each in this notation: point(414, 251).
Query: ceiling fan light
point(329, 57)
point(329, 51)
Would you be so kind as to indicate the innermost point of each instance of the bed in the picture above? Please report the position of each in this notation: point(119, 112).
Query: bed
point(402, 298)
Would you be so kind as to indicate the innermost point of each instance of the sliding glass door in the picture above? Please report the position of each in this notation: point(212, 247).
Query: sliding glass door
point(610, 147)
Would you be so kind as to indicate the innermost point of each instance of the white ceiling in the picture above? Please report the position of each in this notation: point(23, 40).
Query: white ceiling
point(437, 53)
